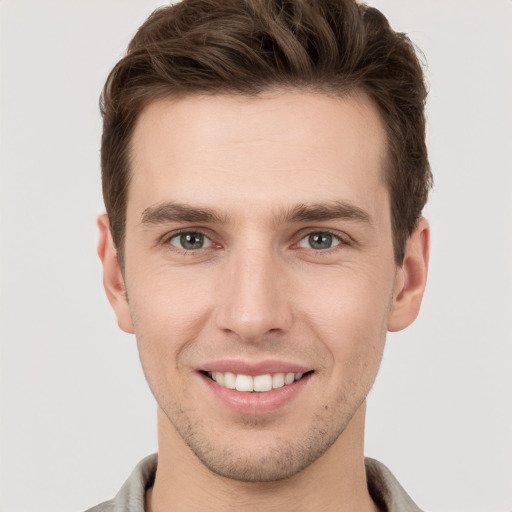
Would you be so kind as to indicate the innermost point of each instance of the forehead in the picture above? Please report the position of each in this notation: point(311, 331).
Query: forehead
point(279, 146)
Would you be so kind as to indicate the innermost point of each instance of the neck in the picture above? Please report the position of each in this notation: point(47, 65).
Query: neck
point(334, 482)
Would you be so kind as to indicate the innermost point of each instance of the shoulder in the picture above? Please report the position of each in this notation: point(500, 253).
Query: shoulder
point(131, 496)
point(106, 506)
point(385, 489)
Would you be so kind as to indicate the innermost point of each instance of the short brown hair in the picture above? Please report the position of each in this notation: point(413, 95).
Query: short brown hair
point(249, 46)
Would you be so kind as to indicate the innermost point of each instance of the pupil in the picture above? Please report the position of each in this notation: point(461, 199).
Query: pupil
point(320, 240)
point(192, 241)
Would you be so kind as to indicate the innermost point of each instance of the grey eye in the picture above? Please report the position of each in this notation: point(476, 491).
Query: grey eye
point(319, 241)
point(190, 241)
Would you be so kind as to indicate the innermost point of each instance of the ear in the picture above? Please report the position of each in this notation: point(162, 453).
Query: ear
point(113, 280)
point(411, 279)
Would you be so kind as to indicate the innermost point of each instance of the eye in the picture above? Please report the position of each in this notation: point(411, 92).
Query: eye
point(320, 241)
point(190, 241)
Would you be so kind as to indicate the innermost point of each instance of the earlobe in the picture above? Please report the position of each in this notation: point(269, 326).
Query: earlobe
point(113, 280)
point(411, 279)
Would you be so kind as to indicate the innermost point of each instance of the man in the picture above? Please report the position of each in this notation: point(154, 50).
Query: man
point(264, 173)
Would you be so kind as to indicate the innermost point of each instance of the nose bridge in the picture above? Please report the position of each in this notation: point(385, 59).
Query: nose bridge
point(254, 302)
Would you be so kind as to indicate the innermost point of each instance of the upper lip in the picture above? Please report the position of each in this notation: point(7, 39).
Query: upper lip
point(253, 368)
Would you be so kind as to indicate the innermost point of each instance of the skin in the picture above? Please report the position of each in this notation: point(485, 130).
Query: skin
point(259, 290)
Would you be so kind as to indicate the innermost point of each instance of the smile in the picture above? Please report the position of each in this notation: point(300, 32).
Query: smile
point(256, 383)
point(255, 388)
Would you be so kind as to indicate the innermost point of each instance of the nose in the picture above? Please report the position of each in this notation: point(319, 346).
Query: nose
point(255, 302)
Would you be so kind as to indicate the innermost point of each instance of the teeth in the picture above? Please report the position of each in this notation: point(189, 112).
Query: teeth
point(258, 383)
point(244, 383)
point(262, 382)
point(230, 380)
point(278, 380)
point(289, 378)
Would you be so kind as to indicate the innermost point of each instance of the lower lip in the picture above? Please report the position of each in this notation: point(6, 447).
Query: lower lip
point(256, 403)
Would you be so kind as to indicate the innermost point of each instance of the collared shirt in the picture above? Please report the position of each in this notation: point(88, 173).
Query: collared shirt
point(384, 489)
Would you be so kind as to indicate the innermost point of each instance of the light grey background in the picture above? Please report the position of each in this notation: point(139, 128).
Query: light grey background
point(76, 414)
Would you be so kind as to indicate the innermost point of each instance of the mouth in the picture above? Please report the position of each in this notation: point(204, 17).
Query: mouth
point(255, 383)
point(255, 388)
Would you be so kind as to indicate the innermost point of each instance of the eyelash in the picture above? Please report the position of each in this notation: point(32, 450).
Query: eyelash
point(167, 239)
point(343, 239)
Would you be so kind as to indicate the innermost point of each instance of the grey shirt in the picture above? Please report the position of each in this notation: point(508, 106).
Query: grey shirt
point(384, 488)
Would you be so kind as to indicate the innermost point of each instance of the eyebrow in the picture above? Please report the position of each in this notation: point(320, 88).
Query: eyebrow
point(169, 211)
point(332, 210)
point(177, 212)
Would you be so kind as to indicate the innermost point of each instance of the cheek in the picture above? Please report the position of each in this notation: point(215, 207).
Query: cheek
point(349, 313)
point(164, 299)
point(347, 297)
point(165, 327)
point(168, 312)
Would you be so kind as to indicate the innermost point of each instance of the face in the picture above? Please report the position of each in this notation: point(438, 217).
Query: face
point(259, 257)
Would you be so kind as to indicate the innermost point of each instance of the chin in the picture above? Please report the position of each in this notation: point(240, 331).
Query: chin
point(262, 458)
point(270, 466)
